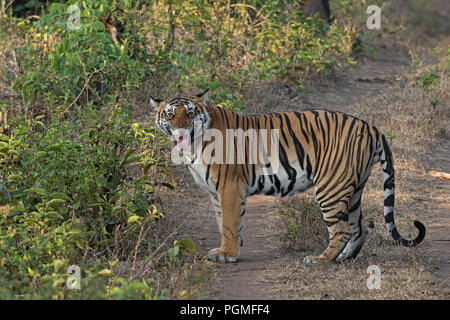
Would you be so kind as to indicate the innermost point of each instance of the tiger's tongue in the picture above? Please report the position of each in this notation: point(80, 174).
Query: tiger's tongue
point(182, 143)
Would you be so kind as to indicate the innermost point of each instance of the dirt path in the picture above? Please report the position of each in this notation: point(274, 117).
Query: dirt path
point(242, 280)
point(249, 278)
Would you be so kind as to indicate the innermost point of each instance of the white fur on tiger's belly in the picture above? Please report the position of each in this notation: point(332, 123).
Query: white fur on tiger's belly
point(198, 171)
point(302, 182)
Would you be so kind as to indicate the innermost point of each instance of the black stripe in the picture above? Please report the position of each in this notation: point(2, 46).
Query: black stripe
point(389, 201)
point(389, 217)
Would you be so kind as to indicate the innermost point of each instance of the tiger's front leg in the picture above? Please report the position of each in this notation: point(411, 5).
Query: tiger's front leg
point(232, 205)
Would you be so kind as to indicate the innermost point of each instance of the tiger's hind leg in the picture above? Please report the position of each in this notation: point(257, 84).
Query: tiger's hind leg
point(241, 236)
point(337, 221)
point(357, 229)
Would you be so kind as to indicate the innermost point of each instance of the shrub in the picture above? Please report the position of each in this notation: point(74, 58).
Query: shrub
point(64, 189)
point(85, 60)
point(302, 227)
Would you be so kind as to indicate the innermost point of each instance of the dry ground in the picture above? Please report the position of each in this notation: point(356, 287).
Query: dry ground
point(385, 93)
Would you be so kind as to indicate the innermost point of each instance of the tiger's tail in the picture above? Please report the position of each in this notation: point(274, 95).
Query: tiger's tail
point(389, 196)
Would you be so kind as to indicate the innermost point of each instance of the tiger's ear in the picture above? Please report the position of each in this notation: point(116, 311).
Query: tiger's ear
point(203, 96)
point(155, 102)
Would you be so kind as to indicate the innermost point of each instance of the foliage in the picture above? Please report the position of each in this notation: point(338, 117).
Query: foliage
point(391, 135)
point(64, 188)
point(183, 246)
point(220, 45)
point(75, 58)
point(223, 45)
point(429, 81)
point(300, 46)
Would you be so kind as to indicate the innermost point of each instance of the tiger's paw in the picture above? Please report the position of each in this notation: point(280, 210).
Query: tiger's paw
point(217, 255)
point(310, 259)
point(313, 259)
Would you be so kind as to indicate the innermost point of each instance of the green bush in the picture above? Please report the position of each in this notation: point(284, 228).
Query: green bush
point(64, 187)
point(84, 59)
point(176, 46)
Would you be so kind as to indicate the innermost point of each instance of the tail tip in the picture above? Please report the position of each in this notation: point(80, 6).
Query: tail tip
point(422, 231)
point(411, 243)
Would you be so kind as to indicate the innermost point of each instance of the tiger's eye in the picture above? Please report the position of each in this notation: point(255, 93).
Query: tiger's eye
point(191, 114)
point(169, 115)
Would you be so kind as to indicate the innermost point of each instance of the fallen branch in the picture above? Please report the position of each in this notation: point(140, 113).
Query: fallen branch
point(442, 175)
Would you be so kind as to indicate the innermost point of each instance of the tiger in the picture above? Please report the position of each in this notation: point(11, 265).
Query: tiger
point(329, 151)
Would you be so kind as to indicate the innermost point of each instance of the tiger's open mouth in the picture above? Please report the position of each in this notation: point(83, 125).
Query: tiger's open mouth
point(183, 142)
point(184, 137)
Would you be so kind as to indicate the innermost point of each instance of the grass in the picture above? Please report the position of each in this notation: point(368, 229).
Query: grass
point(295, 216)
point(400, 279)
point(406, 273)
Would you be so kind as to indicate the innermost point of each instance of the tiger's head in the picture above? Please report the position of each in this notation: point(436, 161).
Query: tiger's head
point(182, 117)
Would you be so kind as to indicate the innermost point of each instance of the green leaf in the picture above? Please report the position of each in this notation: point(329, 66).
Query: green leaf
point(58, 265)
point(132, 160)
point(134, 219)
point(105, 272)
point(116, 209)
point(188, 245)
point(18, 194)
point(40, 191)
point(173, 252)
point(213, 85)
point(18, 208)
point(5, 192)
point(98, 26)
point(15, 178)
point(60, 195)
point(391, 135)
point(128, 154)
point(55, 203)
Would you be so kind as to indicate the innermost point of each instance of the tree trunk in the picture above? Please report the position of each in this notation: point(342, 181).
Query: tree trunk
point(322, 7)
